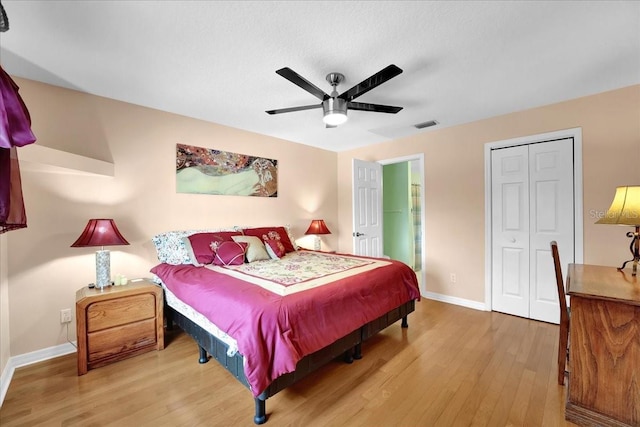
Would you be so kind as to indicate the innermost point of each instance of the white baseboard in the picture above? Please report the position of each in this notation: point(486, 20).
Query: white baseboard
point(456, 301)
point(28, 359)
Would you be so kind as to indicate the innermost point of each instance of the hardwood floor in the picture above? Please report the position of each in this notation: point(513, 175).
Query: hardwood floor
point(452, 367)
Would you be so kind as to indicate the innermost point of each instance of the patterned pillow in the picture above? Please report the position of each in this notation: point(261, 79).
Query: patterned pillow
point(275, 248)
point(199, 245)
point(270, 233)
point(291, 239)
point(230, 253)
point(170, 246)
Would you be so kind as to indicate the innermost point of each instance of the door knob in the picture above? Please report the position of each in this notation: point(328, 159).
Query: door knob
point(513, 240)
point(358, 234)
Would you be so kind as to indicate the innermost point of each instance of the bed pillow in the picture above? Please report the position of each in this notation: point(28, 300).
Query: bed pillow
point(229, 253)
point(275, 248)
point(269, 233)
point(170, 246)
point(291, 238)
point(255, 251)
point(199, 248)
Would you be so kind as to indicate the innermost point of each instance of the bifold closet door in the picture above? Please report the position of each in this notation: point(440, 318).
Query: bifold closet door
point(532, 204)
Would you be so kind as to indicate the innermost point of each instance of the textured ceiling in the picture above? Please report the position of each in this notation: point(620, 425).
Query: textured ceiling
point(216, 61)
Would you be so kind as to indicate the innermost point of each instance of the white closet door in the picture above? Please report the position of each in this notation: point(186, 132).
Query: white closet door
point(551, 196)
point(532, 204)
point(510, 218)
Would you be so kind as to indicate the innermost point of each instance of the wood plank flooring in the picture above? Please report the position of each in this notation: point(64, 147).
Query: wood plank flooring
point(453, 366)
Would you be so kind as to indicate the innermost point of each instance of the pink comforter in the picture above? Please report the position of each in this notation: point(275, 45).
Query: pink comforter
point(274, 332)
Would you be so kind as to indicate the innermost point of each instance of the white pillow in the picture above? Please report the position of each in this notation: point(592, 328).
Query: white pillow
point(256, 250)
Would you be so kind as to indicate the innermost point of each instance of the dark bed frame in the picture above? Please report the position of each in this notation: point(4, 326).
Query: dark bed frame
point(348, 346)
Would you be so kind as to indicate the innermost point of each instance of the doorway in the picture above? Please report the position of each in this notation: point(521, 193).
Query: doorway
point(369, 219)
point(402, 212)
point(533, 196)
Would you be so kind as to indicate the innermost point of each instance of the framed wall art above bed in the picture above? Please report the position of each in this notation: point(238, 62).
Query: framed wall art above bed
point(208, 171)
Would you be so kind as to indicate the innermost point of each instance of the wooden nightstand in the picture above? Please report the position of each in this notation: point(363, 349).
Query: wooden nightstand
point(118, 322)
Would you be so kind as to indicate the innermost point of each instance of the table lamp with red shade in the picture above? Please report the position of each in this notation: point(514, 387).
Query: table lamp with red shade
point(316, 228)
point(101, 232)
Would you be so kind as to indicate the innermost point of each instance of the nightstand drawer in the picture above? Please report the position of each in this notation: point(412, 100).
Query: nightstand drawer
point(110, 313)
point(121, 340)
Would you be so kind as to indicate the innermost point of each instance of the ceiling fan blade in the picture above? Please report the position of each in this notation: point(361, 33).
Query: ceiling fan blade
point(305, 84)
point(377, 108)
point(366, 85)
point(292, 109)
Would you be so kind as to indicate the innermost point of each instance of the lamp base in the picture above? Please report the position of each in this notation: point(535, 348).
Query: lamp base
point(634, 247)
point(103, 269)
point(317, 244)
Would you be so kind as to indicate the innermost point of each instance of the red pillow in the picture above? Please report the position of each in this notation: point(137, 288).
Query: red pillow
point(230, 253)
point(269, 233)
point(201, 245)
point(275, 248)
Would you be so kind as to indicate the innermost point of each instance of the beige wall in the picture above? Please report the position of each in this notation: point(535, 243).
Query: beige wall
point(44, 272)
point(454, 181)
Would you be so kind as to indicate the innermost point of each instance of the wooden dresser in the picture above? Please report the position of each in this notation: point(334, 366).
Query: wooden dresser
point(118, 322)
point(604, 349)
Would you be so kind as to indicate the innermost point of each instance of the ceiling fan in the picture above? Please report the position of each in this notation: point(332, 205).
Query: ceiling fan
point(335, 105)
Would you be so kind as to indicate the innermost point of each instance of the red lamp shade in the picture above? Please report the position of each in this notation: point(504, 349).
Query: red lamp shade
point(100, 232)
point(317, 226)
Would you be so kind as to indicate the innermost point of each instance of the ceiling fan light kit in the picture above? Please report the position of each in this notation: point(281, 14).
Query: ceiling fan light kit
point(335, 106)
point(335, 111)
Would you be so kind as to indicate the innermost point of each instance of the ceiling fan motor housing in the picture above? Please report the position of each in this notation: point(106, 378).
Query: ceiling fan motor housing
point(335, 79)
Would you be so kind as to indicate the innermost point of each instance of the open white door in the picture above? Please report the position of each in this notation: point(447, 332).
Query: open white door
point(367, 208)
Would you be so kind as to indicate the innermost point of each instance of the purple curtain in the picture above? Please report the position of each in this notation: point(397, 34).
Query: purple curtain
point(15, 131)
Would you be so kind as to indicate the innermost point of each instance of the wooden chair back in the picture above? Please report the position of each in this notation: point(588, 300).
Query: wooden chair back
point(563, 342)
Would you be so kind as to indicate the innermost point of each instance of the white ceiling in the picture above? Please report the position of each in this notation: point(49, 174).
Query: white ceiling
point(216, 61)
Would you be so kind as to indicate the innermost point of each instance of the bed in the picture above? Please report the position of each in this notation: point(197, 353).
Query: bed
point(273, 319)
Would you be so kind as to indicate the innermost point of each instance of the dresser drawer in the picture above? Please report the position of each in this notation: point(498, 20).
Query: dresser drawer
point(121, 340)
point(108, 314)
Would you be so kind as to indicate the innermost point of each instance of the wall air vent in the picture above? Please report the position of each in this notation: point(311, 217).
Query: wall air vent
point(426, 124)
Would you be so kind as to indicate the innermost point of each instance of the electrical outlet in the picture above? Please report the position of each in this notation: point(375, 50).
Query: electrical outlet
point(65, 315)
point(453, 277)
